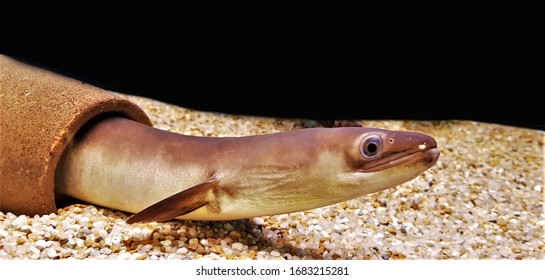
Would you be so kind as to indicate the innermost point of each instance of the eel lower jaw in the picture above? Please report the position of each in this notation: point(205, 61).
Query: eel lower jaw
point(426, 158)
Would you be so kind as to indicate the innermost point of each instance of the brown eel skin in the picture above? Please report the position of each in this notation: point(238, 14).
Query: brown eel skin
point(161, 175)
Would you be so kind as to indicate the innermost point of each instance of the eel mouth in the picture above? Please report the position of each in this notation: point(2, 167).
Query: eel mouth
point(427, 158)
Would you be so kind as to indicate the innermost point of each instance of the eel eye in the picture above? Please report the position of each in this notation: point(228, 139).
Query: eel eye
point(371, 146)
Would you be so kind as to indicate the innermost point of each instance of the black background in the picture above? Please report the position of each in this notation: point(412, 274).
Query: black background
point(382, 81)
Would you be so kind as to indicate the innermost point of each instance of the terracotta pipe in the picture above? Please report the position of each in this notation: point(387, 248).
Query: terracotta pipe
point(40, 112)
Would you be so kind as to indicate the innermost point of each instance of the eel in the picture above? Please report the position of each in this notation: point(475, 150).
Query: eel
point(160, 175)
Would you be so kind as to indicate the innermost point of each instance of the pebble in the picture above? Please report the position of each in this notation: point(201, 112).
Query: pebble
point(51, 253)
point(259, 221)
point(228, 226)
point(20, 221)
point(192, 233)
point(138, 256)
point(105, 251)
point(79, 242)
point(42, 244)
point(34, 250)
point(275, 254)
point(235, 234)
point(116, 240)
point(182, 251)
point(124, 256)
point(237, 246)
point(193, 244)
point(480, 201)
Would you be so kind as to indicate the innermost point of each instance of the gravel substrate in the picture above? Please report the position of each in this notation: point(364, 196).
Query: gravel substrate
point(482, 200)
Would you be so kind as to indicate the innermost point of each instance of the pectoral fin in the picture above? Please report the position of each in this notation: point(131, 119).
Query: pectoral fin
point(179, 204)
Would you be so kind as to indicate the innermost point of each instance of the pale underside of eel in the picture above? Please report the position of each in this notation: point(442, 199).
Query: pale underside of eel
point(160, 175)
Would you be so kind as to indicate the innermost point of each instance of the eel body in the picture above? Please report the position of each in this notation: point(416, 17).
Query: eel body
point(160, 175)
